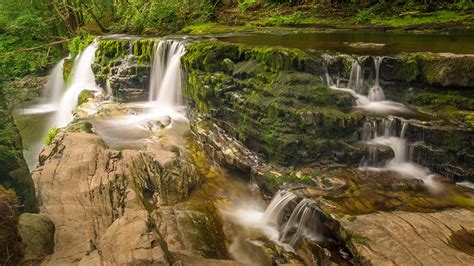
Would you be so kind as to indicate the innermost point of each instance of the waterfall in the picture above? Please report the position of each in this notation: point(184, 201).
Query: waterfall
point(375, 92)
point(82, 79)
point(303, 220)
point(275, 210)
point(382, 131)
point(356, 78)
point(55, 84)
point(165, 80)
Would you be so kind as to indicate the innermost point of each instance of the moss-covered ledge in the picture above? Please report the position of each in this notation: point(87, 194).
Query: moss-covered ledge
point(432, 69)
point(273, 100)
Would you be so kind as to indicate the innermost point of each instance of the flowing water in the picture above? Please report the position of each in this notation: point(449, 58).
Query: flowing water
point(165, 76)
point(285, 221)
point(82, 79)
point(34, 119)
point(381, 131)
point(163, 116)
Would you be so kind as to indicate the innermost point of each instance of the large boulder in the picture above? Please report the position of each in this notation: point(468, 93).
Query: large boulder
point(404, 238)
point(96, 197)
point(37, 234)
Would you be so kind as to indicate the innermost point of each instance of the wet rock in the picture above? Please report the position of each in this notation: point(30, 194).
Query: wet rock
point(365, 45)
point(128, 79)
point(246, 69)
point(88, 189)
point(437, 69)
point(277, 105)
point(129, 241)
point(248, 253)
point(408, 238)
point(37, 234)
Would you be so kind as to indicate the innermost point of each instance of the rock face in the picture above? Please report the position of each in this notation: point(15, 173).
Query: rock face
point(14, 173)
point(101, 200)
point(11, 249)
point(37, 234)
point(123, 67)
point(272, 99)
point(405, 238)
point(443, 69)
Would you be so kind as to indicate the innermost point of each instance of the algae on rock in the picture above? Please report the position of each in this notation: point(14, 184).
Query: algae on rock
point(272, 99)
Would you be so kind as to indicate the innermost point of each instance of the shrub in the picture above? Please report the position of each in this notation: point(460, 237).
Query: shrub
point(50, 136)
point(364, 16)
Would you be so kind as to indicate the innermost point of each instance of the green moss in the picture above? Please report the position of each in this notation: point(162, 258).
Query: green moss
point(448, 105)
point(215, 28)
point(409, 70)
point(275, 181)
point(272, 100)
point(357, 238)
point(423, 19)
point(79, 43)
point(50, 136)
point(110, 52)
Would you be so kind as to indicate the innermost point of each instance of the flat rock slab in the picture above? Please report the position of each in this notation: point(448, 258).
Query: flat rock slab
point(410, 238)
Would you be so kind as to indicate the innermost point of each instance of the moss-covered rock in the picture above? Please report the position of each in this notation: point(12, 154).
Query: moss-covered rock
point(14, 173)
point(273, 100)
point(11, 250)
point(447, 70)
point(123, 67)
point(37, 234)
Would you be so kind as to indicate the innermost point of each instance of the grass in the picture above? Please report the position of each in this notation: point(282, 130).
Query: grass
point(425, 19)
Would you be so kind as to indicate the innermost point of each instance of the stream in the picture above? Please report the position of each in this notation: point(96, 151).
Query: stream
point(296, 214)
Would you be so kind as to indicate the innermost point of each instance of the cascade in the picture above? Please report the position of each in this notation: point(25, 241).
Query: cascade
point(356, 78)
point(82, 79)
point(162, 112)
point(51, 95)
point(55, 84)
point(274, 211)
point(303, 221)
point(165, 76)
point(376, 92)
point(382, 131)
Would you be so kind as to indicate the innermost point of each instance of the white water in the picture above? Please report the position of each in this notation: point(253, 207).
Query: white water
point(376, 92)
point(165, 77)
point(374, 103)
point(302, 223)
point(382, 132)
point(163, 112)
point(82, 79)
point(51, 95)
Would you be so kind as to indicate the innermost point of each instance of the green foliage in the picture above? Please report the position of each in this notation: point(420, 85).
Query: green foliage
point(50, 136)
point(281, 20)
point(160, 16)
point(246, 4)
point(364, 16)
point(26, 24)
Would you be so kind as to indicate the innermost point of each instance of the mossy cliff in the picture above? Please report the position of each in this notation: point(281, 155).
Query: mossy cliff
point(273, 100)
point(14, 173)
point(123, 66)
point(431, 69)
